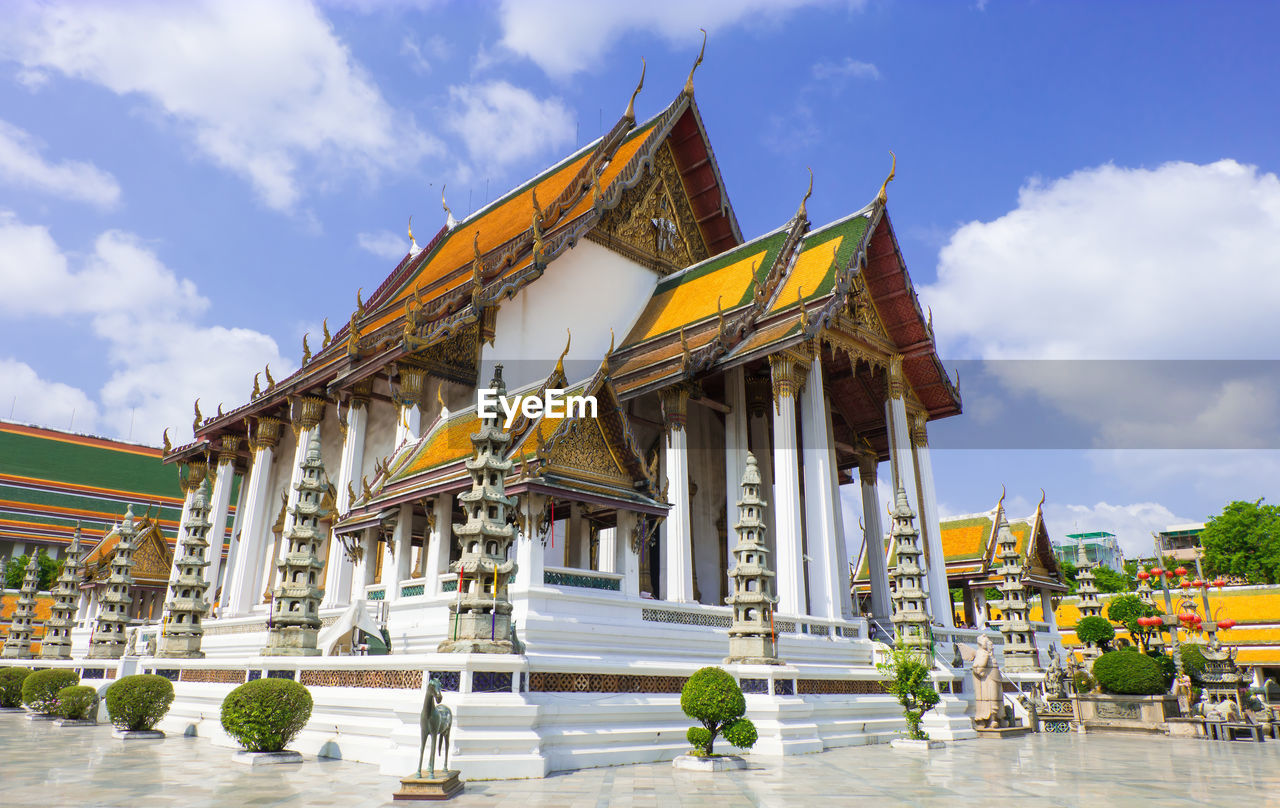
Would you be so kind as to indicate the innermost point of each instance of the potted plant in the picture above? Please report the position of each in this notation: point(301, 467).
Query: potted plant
point(713, 698)
point(264, 716)
point(137, 703)
point(78, 706)
point(1134, 694)
point(907, 678)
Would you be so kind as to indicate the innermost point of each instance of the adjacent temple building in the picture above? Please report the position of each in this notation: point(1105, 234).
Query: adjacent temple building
point(546, 568)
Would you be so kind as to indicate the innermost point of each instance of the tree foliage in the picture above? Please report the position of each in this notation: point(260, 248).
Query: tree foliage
point(713, 698)
point(1126, 609)
point(1244, 541)
point(1095, 630)
point(1129, 673)
point(908, 679)
point(16, 569)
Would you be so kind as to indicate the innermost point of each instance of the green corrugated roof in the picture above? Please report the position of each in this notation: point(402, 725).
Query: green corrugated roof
point(81, 464)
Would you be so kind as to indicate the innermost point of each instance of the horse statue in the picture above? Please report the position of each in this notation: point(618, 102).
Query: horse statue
point(437, 720)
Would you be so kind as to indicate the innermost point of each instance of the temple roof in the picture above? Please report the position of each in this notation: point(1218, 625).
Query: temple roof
point(152, 555)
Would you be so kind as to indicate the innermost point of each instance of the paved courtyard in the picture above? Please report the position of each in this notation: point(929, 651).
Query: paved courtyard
point(47, 766)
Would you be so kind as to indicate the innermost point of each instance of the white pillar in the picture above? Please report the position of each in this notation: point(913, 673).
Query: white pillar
point(529, 546)
point(607, 553)
point(337, 589)
point(873, 533)
point(789, 540)
point(828, 571)
point(218, 508)
point(735, 455)
point(677, 571)
point(939, 588)
point(241, 596)
point(236, 545)
point(628, 559)
point(362, 574)
point(398, 553)
point(438, 545)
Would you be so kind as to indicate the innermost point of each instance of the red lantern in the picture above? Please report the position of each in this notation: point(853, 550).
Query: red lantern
point(1226, 623)
point(1185, 584)
point(1198, 584)
point(1187, 617)
point(1156, 571)
point(1143, 575)
point(1181, 571)
point(1218, 582)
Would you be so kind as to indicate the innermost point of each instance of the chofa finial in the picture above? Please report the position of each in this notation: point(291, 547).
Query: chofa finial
point(414, 249)
point(803, 211)
point(630, 114)
point(449, 221)
point(564, 353)
point(883, 196)
point(688, 84)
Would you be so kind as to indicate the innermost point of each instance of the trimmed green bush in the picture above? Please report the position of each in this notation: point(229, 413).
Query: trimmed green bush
point(1168, 668)
point(78, 702)
point(11, 686)
point(1096, 630)
point(1129, 674)
point(40, 689)
point(713, 697)
point(139, 702)
point(908, 679)
point(266, 714)
point(1193, 661)
point(741, 733)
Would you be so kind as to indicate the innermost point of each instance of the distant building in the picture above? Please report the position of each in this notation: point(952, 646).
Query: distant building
point(1101, 547)
point(1179, 541)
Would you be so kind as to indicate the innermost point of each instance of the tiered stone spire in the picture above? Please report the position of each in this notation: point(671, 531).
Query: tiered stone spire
point(295, 603)
point(910, 612)
point(1088, 591)
point(751, 636)
point(480, 618)
point(66, 600)
point(110, 633)
point(181, 630)
point(1018, 651)
point(22, 630)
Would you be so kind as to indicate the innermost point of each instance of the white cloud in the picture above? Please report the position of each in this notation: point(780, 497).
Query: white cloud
point(566, 36)
point(161, 357)
point(848, 68)
point(425, 55)
point(27, 398)
point(266, 90)
point(502, 124)
point(1132, 524)
point(22, 166)
point(384, 244)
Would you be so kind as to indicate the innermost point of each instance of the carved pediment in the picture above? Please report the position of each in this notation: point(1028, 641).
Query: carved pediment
point(455, 357)
point(653, 222)
point(583, 451)
point(152, 558)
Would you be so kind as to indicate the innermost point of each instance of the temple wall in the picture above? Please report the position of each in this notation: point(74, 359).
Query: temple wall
point(600, 288)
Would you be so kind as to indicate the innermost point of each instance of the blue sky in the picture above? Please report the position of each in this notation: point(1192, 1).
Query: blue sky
point(185, 189)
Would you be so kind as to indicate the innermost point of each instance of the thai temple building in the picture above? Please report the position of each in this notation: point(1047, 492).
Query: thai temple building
point(561, 564)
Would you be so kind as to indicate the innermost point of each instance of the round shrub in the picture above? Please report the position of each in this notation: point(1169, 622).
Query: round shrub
point(11, 686)
point(713, 698)
point(1096, 630)
point(266, 714)
point(40, 689)
point(78, 702)
point(138, 702)
point(741, 733)
point(1129, 674)
point(698, 737)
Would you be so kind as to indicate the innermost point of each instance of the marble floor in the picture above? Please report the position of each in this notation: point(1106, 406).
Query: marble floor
point(47, 766)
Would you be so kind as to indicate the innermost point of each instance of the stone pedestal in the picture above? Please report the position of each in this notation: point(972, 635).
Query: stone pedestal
point(719, 763)
point(1003, 732)
point(41, 717)
point(1185, 727)
point(138, 735)
point(1059, 716)
point(76, 722)
point(443, 786)
point(267, 758)
point(908, 745)
point(475, 630)
point(1142, 714)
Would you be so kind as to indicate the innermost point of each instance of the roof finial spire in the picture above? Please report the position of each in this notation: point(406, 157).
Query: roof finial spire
point(803, 212)
point(1042, 497)
point(630, 114)
point(564, 353)
point(883, 197)
point(414, 249)
point(688, 84)
point(1000, 503)
point(449, 221)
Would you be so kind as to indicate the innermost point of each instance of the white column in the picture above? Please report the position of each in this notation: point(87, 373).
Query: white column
point(398, 553)
point(218, 508)
point(362, 574)
point(877, 570)
point(789, 541)
point(236, 546)
point(241, 596)
point(337, 589)
point(677, 563)
point(828, 571)
point(735, 454)
point(628, 559)
point(438, 546)
point(940, 592)
point(529, 546)
point(607, 554)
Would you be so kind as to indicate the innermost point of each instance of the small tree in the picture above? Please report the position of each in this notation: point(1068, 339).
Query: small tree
point(1244, 540)
point(908, 672)
point(713, 697)
point(1096, 630)
point(1126, 609)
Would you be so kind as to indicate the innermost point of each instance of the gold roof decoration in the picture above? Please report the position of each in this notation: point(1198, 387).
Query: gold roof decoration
point(631, 105)
point(883, 196)
point(688, 84)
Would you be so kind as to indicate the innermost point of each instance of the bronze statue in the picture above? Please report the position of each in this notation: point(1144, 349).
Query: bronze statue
point(437, 720)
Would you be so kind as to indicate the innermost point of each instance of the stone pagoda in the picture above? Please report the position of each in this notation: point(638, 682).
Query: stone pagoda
point(110, 633)
point(910, 614)
point(1090, 606)
point(1019, 654)
point(66, 600)
point(751, 636)
point(22, 630)
point(182, 632)
point(480, 617)
point(295, 620)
